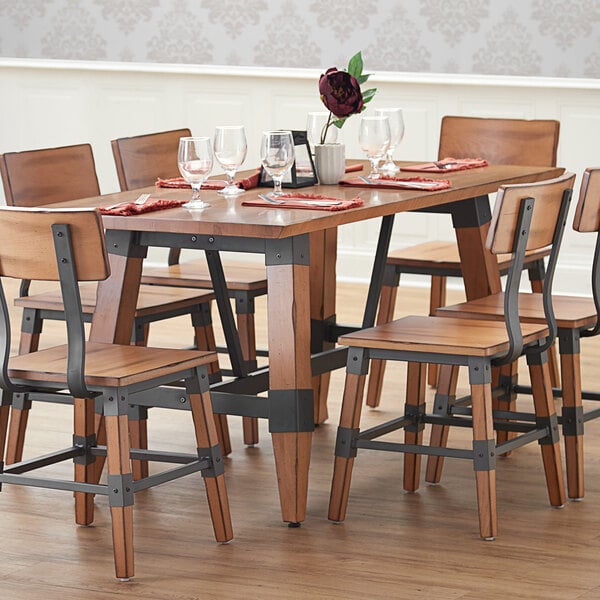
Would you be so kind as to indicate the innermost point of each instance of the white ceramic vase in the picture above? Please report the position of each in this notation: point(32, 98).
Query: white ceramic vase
point(330, 162)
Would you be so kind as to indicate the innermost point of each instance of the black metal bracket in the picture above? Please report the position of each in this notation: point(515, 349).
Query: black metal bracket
point(120, 489)
point(286, 251)
point(85, 444)
point(344, 442)
point(358, 361)
point(214, 455)
point(484, 455)
point(480, 371)
point(572, 420)
point(125, 243)
point(415, 413)
point(291, 410)
point(551, 425)
point(569, 341)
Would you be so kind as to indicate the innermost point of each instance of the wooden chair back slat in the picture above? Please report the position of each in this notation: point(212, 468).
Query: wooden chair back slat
point(587, 213)
point(548, 197)
point(141, 159)
point(500, 141)
point(27, 249)
point(36, 177)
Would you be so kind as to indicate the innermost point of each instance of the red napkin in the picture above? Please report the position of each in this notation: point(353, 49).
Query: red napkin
point(305, 201)
point(127, 209)
point(179, 182)
point(406, 183)
point(355, 167)
point(447, 165)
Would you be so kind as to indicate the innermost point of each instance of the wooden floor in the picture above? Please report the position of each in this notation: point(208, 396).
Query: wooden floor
point(393, 545)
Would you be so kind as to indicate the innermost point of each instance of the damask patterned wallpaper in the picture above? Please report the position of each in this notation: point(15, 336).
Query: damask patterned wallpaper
point(554, 38)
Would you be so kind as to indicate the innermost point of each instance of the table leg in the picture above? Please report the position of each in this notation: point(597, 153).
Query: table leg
point(117, 295)
point(291, 419)
point(471, 220)
point(323, 252)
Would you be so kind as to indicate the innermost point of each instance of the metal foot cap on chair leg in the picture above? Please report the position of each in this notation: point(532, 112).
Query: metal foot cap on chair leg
point(488, 539)
point(125, 579)
point(294, 524)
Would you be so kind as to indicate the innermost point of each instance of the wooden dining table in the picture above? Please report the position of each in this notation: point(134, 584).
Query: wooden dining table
point(299, 249)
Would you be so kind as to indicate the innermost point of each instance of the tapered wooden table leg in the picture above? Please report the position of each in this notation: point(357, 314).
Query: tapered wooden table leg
point(291, 417)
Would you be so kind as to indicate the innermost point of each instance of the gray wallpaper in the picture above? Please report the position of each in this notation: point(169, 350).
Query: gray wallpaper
point(554, 38)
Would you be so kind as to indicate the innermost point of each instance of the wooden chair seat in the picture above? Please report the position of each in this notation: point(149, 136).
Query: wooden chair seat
point(570, 311)
point(441, 335)
point(195, 274)
point(152, 300)
point(442, 258)
point(107, 364)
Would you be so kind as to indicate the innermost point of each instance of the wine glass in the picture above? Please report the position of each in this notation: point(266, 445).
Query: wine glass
point(195, 162)
point(277, 155)
point(315, 125)
point(396, 136)
point(230, 151)
point(374, 139)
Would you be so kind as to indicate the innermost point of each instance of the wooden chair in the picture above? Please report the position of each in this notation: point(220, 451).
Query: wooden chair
point(53, 175)
point(526, 217)
point(68, 246)
point(576, 317)
point(499, 141)
point(140, 161)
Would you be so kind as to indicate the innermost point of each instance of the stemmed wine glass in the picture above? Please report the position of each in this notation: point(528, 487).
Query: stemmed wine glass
point(230, 151)
point(195, 162)
point(374, 139)
point(396, 136)
point(277, 155)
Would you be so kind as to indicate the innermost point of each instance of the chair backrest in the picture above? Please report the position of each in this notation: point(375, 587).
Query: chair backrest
point(587, 213)
point(36, 177)
point(53, 244)
point(141, 159)
point(587, 220)
point(529, 216)
point(500, 141)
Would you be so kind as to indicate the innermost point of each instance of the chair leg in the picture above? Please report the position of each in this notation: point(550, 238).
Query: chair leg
point(5, 402)
point(506, 377)
point(444, 397)
point(546, 413)
point(484, 459)
point(120, 481)
point(205, 340)
point(138, 433)
point(437, 298)
point(208, 444)
point(387, 304)
point(413, 434)
point(19, 414)
point(244, 311)
point(31, 328)
point(572, 411)
point(344, 455)
point(84, 429)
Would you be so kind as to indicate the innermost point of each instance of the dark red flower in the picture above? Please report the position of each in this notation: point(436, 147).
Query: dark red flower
point(340, 93)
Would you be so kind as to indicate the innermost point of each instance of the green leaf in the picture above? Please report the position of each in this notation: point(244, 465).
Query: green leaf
point(339, 122)
point(368, 95)
point(355, 66)
point(362, 79)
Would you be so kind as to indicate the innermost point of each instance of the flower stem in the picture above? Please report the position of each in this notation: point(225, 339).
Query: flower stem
point(326, 127)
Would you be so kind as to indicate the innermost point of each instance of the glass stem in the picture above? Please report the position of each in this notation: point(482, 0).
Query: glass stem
point(230, 175)
point(196, 191)
point(277, 179)
point(374, 168)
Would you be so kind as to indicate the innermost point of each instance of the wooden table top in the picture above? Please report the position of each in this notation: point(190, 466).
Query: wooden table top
point(229, 218)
